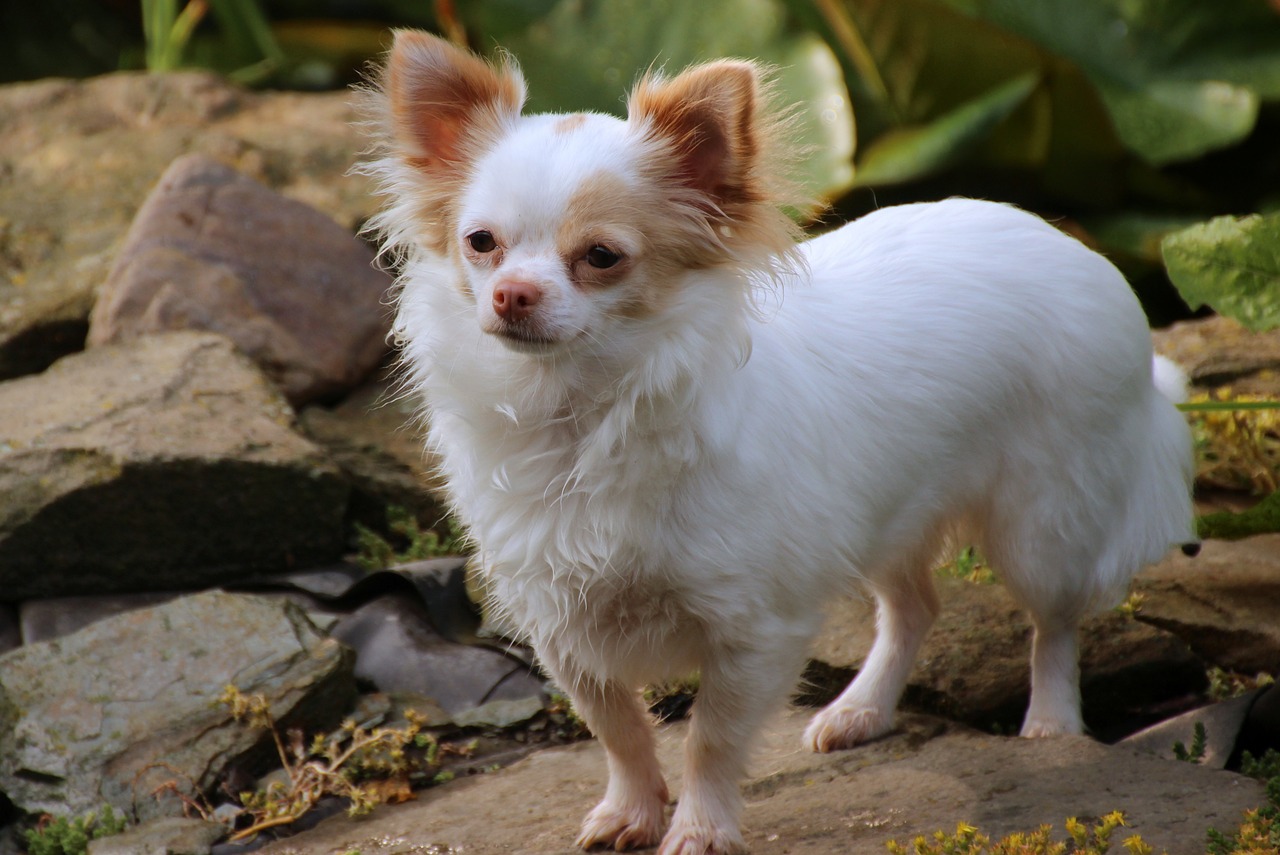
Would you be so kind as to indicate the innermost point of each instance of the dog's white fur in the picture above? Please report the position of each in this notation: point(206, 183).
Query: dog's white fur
point(672, 463)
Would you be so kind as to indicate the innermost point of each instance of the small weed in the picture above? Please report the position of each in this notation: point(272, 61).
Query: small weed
point(1224, 685)
point(1236, 448)
point(1132, 605)
point(367, 766)
point(1084, 840)
point(969, 566)
point(416, 543)
point(62, 836)
point(1195, 753)
point(1259, 831)
point(1264, 768)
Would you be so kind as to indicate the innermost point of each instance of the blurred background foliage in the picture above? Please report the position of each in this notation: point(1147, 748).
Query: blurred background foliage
point(1149, 128)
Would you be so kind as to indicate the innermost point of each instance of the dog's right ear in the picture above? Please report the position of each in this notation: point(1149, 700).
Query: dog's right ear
point(446, 102)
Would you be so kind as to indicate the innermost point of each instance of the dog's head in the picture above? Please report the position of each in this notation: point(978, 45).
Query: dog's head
point(565, 227)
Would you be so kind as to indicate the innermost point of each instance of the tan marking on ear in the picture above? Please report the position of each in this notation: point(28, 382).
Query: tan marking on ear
point(722, 154)
point(444, 107)
point(443, 98)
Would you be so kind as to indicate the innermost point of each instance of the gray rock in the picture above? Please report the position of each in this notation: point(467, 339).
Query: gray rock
point(1225, 602)
point(166, 836)
point(169, 462)
point(78, 157)
point(973, 666)
point(927, 776)
point(121, 710)
point(214, 250)
point(398, 651)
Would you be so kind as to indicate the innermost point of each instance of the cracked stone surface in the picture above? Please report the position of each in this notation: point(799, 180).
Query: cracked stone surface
point(168, 458)
point(926, 776)
point(129, 704)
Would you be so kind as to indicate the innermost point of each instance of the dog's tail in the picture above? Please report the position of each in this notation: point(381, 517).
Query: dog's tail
point(1169, 378)
point(1171, 381)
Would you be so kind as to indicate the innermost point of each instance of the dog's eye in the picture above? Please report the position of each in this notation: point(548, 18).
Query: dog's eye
point(482, 241)
point(599, 256)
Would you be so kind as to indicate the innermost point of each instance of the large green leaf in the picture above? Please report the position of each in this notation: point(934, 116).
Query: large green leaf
point(1231, 264)
point(1179, 77)
point(909, 153)
point(584, 54)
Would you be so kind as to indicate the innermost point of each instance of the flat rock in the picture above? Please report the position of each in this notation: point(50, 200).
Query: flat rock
point(165, 463)
point(121, 709)
point(1217, 351)
point(77, 158)
point(927, 776)
point(1225, 602)
point(973, 665)
point(214, 250)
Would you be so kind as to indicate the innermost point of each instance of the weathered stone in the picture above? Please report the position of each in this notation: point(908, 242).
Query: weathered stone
point(165, 463)
point(973, 666)
point(118, 711)
point(1217, 351)
point(1225, 602)
point(172, 835)
point(214, 250)
point(78, 157)
point(926, 777)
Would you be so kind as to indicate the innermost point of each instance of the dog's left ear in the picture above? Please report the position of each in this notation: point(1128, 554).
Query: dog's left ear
point(447, 103)
point(708, 117)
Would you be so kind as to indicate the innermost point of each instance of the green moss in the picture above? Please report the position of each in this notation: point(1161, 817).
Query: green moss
point(1262, 518)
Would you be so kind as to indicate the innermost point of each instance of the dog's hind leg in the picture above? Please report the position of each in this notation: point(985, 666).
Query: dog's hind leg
point(631, 813)
point(906, 605)
point(1055, 680)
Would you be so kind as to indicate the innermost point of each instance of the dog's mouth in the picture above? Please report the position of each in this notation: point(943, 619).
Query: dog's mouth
point(523, 340)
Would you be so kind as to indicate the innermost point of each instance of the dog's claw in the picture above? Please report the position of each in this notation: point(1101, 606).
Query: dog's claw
point(620, 828)
point(835, 729)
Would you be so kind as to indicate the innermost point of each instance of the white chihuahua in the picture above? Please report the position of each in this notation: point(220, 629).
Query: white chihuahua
point(675, 433)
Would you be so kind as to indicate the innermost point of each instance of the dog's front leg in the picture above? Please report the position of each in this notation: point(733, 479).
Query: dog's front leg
point(631, 813)
point(737, 690)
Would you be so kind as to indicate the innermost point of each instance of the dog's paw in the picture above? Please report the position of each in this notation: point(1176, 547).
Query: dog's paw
point(1036, 728)
point(689, 839)
point(836, 728)
point(616, 827)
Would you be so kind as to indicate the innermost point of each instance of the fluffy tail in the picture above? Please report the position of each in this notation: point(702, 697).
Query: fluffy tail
point(1169, 378)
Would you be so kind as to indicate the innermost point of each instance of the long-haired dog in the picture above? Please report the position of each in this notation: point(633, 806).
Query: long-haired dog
point(674, 432)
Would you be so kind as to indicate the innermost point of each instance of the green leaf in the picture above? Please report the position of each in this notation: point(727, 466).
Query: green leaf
point(1179, 77)
point(584, 55)
point(1231, 264)
point(910, 153)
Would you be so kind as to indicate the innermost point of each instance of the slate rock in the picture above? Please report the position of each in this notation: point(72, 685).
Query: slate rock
point(114, 713)
point(398, 651)
point(167, 462)
point(1225, 602)
point(974, 667)
point(925, 777)
point(77, 158)
point(214, 250)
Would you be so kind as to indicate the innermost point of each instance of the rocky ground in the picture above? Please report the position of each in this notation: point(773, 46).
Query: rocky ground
point(195, 419)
